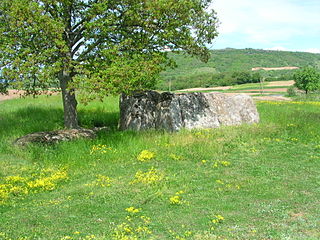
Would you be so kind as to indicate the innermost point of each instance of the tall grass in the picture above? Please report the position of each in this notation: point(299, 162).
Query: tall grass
point(244, 182)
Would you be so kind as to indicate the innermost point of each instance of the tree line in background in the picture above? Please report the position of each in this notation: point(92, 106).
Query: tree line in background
point(223, 79)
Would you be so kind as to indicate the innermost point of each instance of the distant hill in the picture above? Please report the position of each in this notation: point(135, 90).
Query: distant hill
point(226, 63)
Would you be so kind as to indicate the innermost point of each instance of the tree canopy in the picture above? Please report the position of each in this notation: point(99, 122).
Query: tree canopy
point(307, 79)
point(100, 47)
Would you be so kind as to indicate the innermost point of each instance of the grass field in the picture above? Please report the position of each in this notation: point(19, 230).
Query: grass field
point(247, 182)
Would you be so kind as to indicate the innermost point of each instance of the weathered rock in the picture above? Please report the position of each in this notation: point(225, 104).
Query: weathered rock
point(150, 109)
point(57, 136)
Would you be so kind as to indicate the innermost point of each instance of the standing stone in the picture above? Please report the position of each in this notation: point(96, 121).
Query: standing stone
point(153, 110)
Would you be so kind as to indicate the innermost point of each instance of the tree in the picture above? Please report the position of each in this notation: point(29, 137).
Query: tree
point(100, 47)
point(256, 77)
point(307, 79)
point(241, 77)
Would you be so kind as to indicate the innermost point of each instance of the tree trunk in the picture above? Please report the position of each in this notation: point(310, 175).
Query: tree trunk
point(69, 101)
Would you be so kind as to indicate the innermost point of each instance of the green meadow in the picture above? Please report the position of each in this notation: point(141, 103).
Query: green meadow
point(257, 181)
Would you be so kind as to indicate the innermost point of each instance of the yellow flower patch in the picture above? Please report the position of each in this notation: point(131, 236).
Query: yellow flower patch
point(17, 186)
point(182, 236)
point(177, 198)
point(215, 221)
point(176, 157)
point(48, 180)
point(134, 227)
point(290, 102)
point(221, 164)
point(100, 149)
point(148, 177)
point(225, 186)
point(101, 181)
point(133, 210)
point(15, 179)
point(146, 156)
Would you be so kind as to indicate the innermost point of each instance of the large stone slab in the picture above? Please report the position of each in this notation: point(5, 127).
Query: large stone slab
point(153, 110)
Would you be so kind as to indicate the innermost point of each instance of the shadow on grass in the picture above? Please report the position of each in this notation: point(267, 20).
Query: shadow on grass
point(36, 119)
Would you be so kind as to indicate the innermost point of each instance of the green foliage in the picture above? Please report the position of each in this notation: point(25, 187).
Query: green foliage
point(307, 79)
point(223, 79)
point(3, 87)
point(246, 77)
point(292, 92)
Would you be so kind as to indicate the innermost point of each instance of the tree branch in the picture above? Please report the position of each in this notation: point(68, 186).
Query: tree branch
point(90, 48)
point(76, 48)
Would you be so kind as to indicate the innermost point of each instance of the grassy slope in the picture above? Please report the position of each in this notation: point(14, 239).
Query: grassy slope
point(269, 191)
point(241, 60)
point(195, 72)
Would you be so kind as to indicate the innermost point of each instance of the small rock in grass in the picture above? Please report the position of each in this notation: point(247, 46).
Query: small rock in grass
point(57, 136)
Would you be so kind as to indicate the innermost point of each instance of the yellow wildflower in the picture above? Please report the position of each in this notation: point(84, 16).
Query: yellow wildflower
point(135, 227)
point(145, 156)
point(149, 177)
point(14, 179)
point(219, 181)
point(217, 219)
point(132, 210)
point(176, 157)
point(175, 199)
point(100, 148)
point(225, 163)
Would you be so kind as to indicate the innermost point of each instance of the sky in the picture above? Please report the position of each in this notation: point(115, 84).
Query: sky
point(291, 25)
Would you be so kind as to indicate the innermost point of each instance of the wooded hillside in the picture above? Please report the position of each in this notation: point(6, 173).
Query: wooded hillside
point(224, 66)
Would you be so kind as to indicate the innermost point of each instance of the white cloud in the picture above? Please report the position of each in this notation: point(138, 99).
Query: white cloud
point(313, 50)
point(281, 48)
point(278, 48)
point(268, 21)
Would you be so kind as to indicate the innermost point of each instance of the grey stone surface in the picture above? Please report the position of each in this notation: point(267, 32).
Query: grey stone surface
point(153, 110)
point(57, 136)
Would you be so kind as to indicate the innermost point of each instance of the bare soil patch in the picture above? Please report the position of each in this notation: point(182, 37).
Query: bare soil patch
point(274, 68)
point(204, 89)
point(281, 83)
point(11, 94)
point(266, 98)
point(17, 94)
point(237, 93)
point(266, 90)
